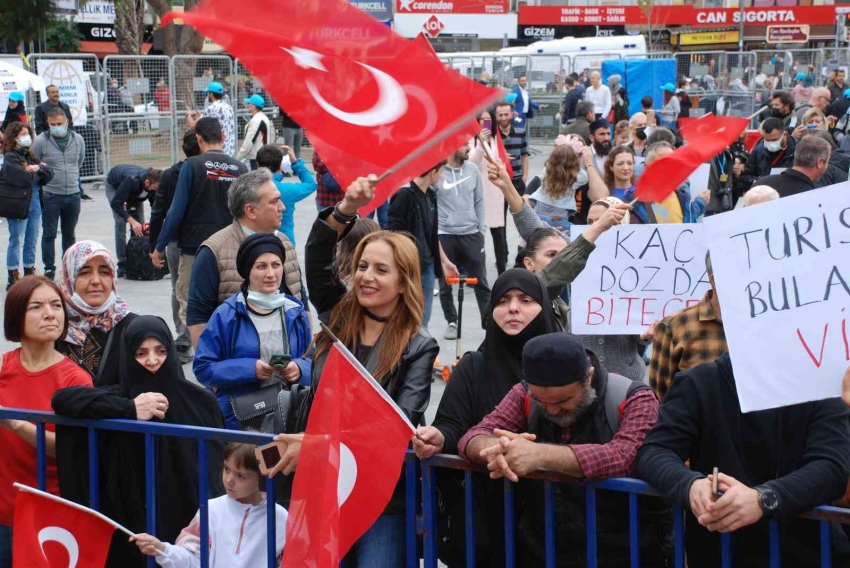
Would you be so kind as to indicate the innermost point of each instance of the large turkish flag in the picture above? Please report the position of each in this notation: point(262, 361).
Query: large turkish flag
point(350, 462)
point(706, 137)
point(370, 100)
point(50, 532)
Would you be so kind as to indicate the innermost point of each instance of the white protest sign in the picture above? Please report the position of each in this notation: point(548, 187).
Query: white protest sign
point(637, 275)
point(782, 270)
point(699, 179)
point(68, 76)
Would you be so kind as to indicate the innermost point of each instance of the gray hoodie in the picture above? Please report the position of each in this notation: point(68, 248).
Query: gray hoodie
point(66, 165)
point(460, 201)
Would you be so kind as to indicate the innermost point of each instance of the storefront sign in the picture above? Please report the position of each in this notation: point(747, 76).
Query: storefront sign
point(528, 34)
point(672, 16)
point(451, 7)
point(381, 10)
point(96, 12)
point(708, 38)
point(788, 34)
point(495, 26)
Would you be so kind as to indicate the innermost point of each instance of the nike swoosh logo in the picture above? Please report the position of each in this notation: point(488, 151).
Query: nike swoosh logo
point(447, 185)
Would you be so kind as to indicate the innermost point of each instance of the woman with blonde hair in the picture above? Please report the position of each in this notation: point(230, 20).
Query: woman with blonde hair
point(379, 319)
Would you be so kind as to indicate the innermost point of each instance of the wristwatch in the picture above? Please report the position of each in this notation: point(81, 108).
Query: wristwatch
point(768, 501)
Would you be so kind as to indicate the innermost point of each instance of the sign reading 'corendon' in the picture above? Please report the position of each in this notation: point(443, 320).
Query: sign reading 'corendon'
point(451, 7)
point(672, 15)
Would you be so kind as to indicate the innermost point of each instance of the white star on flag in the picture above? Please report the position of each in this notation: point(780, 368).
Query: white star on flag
point(306, 58)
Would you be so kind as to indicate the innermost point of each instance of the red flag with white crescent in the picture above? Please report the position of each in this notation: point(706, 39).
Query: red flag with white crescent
point(51, 532)
point(707, 137)
point(370, 100)
point(350, 462)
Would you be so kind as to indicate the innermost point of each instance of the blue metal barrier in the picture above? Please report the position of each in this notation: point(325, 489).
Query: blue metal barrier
point(151, 431)
point(634, 487)
point(424, 526)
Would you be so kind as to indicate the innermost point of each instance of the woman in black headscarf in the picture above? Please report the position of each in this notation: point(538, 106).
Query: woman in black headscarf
point(152, 387)
point(520, 310)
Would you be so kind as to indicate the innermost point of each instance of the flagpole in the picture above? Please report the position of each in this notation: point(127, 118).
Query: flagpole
point(452, 129)
point(73, 505)
point(348, 355)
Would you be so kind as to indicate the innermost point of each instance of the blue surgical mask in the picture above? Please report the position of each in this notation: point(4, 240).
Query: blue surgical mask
point(267, 301)
point(59, 131)
point(25, 141)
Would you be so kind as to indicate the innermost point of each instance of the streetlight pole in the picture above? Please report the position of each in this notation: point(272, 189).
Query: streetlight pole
point(741, 29)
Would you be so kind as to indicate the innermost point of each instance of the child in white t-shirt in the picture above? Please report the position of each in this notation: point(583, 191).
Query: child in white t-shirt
point(237, 522)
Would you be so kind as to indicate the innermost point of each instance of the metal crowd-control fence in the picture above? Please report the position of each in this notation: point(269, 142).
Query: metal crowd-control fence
point(247, 85)
point(417, 525)
point(191, 75)
point(56, 71)
point(138, 113)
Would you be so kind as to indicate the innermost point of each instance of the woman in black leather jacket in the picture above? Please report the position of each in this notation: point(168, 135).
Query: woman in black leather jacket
point(380, 321)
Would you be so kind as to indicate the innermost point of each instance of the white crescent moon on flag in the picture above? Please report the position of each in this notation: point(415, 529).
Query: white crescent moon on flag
point(347, 474)
point(63, 537)
point(391, 105)
point(424, 97)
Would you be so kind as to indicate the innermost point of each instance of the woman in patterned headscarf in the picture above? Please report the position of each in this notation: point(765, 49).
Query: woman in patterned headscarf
point(96, 314)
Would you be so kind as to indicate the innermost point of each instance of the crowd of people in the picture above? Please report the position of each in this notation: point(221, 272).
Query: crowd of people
point(532, 396)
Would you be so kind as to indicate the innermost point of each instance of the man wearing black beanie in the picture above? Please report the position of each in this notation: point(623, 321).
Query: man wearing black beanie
point(571, 416)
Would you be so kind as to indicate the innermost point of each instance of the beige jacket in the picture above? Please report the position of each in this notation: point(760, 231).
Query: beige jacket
point(225, 244)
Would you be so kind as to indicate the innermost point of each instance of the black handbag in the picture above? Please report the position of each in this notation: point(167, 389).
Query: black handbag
point(290, 413)
point(14, 201)
point(251, 407)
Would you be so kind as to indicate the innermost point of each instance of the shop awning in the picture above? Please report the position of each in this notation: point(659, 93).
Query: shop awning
point(104, 48)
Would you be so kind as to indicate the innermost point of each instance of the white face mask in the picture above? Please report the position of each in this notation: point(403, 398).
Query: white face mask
point(25, 141)
point(773, 146)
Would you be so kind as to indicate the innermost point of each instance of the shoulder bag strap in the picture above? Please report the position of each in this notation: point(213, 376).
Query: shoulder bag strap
point(615, 393)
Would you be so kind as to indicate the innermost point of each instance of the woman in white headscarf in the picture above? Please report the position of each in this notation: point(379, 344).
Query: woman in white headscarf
point(96, 314)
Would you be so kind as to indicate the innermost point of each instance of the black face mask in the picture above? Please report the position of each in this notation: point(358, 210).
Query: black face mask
point(777, 112)
point(640, 133)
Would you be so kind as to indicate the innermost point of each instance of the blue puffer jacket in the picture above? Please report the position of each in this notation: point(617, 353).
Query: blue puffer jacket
point(229, 347)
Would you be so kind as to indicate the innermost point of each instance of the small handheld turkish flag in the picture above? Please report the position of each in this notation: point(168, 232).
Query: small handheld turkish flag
point(50, 532)
point(707, 137)
point(370, 100)
point(350, 463)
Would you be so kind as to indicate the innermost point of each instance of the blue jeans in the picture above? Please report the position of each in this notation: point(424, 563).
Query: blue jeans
point(58, 208)
point(383, 214)
point(381, 546)
point(428, 282)
point(26, 229)
point(6, 546)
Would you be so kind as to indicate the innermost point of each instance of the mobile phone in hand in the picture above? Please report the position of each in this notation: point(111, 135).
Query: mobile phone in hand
point(488, 124)
point(269, 455)
point(280, 361)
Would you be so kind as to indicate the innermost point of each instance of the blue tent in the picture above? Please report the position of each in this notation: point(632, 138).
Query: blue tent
point(641, 77)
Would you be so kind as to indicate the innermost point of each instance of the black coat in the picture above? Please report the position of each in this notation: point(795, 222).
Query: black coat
point(761, 162)
point(571, 99)
point(409, 382)
point(801, 452)
point(407, 214)
point(789, 182)
point(162, 200)
point(837, 172)
point(122, 455)
point(41, 116)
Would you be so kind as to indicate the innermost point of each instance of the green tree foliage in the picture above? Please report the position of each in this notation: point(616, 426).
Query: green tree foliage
point(62, 36)
point(24, 20)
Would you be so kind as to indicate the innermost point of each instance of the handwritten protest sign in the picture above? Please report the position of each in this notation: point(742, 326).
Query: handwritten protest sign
point(782, 270)
point(637, 275)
